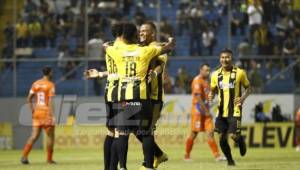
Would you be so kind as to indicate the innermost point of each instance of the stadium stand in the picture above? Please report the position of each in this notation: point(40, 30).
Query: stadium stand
point(59, 25)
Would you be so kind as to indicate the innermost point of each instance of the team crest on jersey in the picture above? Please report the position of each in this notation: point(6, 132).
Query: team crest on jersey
point(232, 75)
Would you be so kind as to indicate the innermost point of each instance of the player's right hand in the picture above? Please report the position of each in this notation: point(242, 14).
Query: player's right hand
point(91, 73)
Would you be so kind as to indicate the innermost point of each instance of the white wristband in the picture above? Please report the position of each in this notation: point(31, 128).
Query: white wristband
point(155, 73)
point(100, 74)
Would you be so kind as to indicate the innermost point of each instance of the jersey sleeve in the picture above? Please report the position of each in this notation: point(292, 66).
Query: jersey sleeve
point(196, 87)
point(152, 51)
point(163, 58)
point(214, 82)
point(244, 79)
point(112, 53)
point(109, 51)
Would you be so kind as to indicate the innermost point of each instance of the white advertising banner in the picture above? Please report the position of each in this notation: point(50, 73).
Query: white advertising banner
point(177, 108)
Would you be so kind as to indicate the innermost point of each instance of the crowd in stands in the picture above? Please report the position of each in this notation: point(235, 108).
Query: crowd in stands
point(263, 27)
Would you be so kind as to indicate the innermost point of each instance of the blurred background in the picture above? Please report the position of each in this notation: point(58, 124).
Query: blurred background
point(67, 34)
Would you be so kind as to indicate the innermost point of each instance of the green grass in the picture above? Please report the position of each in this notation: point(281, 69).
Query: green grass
point(91, 159)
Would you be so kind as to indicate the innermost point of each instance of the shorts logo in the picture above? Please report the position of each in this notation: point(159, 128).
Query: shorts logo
point(133, 103)
point(232, 75)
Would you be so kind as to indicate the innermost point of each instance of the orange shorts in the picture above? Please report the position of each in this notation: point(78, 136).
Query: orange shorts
point(43, 120)
point(201, 123)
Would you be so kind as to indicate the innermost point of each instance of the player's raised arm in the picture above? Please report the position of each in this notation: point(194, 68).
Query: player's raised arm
point(169, 46)
point(94, 73)
point(107, 44)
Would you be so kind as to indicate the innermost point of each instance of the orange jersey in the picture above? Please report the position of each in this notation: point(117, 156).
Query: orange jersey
point(200, 87)
point(43, 91)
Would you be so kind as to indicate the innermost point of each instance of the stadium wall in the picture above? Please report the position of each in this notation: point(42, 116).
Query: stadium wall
point(175, 114)
point(258, 135)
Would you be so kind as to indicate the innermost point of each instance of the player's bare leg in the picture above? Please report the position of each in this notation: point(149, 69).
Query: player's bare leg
point(27, 148)
point(213, 146)
point(189, 145)
point(50, 132)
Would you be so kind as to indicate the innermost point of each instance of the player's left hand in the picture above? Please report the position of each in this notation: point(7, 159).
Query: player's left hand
point(91, 73)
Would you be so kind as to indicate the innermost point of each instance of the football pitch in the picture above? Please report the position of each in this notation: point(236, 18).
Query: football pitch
point(92, 159)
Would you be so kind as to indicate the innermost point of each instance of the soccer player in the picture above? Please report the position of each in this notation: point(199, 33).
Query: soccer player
point(227, 82)
point(297, 129)
point(111, 98)
point(147, 36)
point(201, 119)
point(132, 62)
point(42, 114)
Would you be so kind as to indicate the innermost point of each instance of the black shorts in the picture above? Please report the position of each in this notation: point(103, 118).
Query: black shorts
point(228, 125)
point(111, 112)
point(135, 116)
point(157, 107)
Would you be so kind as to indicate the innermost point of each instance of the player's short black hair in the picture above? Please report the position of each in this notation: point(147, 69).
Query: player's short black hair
point(204, 64)
point(117, 29)
point(226, 50)
point(151, 24)
point(129, 32)
point(46, 70)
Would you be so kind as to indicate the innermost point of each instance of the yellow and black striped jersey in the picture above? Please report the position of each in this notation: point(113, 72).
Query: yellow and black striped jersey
point(132, 63)
point(157, 90)
point(229, 84)
point(111, 88)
